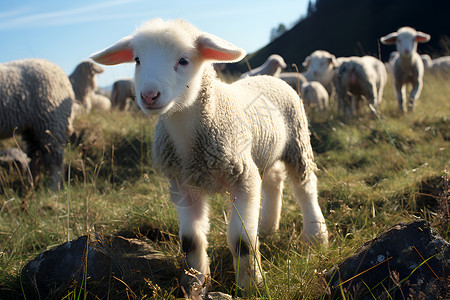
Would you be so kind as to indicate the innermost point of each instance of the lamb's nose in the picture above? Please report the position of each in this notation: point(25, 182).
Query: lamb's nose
point(406, 52)
point(150, 97)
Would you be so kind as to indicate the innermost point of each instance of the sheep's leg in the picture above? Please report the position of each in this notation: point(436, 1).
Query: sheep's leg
point(272, 190)
point(400, 91)
point(192, 208)
point(243, 229)
point(415, 93)
point(314, 227)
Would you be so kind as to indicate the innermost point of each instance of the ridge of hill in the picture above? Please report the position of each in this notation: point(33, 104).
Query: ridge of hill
point(353, 27)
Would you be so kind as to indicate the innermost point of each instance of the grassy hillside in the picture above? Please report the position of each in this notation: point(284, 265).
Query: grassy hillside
point(353, 27)
point(372, 174)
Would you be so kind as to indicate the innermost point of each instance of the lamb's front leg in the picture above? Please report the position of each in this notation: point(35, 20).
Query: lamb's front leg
point(192, 208)
point(415, 93)
point(243, 229)
point(400, 92)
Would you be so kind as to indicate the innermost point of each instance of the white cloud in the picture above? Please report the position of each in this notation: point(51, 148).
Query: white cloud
point(19, 18)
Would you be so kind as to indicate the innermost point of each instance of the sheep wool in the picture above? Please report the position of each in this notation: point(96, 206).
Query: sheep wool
point(213, 137)
point(36, 101)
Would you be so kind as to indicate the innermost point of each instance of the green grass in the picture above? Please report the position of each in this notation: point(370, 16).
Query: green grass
point(373, 173)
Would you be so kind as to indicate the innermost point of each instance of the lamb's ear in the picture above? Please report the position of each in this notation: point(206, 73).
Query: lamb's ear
point(389, 39)
point(422, 37)
point(214, 48)
point(119, 53)
point(333, 61)
point(307, 60)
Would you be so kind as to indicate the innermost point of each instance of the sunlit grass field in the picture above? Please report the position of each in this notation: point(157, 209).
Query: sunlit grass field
point(373, 173)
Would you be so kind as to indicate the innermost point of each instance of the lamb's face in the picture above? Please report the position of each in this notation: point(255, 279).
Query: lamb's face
point(166, 74)
point(320, 68)
point(406, 44)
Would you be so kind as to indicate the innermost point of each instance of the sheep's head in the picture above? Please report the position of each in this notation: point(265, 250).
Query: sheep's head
point(320, 65)
point(405, 39)
point(170, 58)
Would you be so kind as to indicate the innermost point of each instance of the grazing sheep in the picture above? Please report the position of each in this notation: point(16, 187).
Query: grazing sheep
point(122, 94)
point(215, 137)
point(320, 67)
point(407, 66)
point(294, 79)
point(440, 64)
point(359, 76)
point(314, 94)
point(272, 66)
point(36, 101)
point(427, 61)
point(84, 86)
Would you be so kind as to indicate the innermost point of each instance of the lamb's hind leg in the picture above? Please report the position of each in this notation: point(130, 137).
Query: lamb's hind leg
point(314, 227)
point(243, 228)
point(272, 190)
point(192, 209)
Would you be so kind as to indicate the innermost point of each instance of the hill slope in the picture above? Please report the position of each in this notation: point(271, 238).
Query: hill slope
point(353, 27)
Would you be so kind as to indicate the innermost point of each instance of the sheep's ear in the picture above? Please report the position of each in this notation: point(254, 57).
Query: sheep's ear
point(307, 60)
point(389, 39)
point(214, 48)
point(120, 52)
point(97, 69)
point(422, 37)
point(333, 61)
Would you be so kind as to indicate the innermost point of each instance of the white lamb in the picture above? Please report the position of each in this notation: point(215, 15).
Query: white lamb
point(122, 94)
point(83, 80)
point(215, 137)
point(294, 79)
point(320, 67)
point(272, 66)
point(314, 94)
point(359, 76)
point(408, 66)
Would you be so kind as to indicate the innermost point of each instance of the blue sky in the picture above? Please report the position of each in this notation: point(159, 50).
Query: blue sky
point(67, 32)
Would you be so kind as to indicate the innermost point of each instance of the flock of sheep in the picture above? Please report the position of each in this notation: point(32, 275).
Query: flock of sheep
point(246, 137)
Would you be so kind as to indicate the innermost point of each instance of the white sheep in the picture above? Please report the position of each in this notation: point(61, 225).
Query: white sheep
point(294, 79)
point(122, 94)
point(359, 76)
point(36, 101)
point(440, 64)
point(408, 66)
point(320, 67)
point(272, 66)
point(427, 61)
point(215, 137)
point(83, 80)
point(314, 94)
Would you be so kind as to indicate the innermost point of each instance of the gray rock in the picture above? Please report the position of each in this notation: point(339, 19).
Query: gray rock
point(391, 266)
point(107, 266)
point(114, 266)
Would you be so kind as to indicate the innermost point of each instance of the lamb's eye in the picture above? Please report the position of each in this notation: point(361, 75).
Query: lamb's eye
point(183, 61)
point(137, 60)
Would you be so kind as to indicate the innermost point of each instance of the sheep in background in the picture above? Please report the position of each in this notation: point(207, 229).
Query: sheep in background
point(408, 66)
point(440, 64)
point(122, 94)
point(272, 66)
point(320, 67)
point(215, 137)
point(36, 100)
point(359, 76)
point(314, 94)
point(427, 61)
point(84, 85)
point(294, 79)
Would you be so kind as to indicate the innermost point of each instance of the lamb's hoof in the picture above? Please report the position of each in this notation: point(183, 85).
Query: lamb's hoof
point(194, 284)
